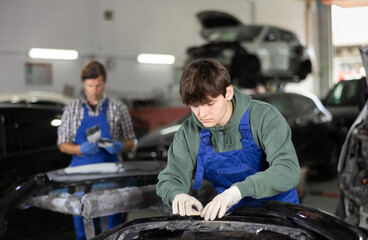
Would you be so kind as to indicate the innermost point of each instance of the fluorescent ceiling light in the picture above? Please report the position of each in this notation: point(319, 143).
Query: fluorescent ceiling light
point(47, 53)
point(156, 58)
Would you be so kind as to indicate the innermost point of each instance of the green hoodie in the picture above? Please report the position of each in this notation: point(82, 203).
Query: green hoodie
point(271, 133)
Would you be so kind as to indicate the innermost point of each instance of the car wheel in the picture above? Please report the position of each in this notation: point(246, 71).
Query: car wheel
point(244, 70)
point(304, 69)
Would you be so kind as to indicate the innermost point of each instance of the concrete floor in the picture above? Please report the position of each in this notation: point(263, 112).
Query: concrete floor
point(323, 195)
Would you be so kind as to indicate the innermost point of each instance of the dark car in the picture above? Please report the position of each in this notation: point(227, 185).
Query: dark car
point(314, 139)
point(273, 220)
point(353, 167)
point(28, 135)
point(345, 100)
point(252, 53)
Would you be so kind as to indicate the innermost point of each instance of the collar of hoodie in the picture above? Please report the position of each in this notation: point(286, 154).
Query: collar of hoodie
point(219, 132)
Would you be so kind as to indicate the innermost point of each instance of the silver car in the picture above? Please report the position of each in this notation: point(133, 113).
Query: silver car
point(252, 53)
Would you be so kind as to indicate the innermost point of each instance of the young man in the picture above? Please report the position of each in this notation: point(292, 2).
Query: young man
point(242, 146)
point(110, 116)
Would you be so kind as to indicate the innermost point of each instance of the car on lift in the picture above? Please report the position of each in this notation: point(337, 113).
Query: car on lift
point(253, 54)
point(314, 138)
point(273, 220)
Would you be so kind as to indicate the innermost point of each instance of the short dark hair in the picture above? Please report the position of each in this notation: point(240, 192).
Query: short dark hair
point(201, 80)
point(93, 70)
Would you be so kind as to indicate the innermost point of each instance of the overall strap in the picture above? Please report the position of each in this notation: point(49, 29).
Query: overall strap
point(244, 129)
point(206, 137)
point(204, 143)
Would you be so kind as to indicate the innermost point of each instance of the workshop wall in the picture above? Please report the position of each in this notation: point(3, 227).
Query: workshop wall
point(135, 26)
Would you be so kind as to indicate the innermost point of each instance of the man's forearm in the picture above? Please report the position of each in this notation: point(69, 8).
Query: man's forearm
point(128, 145)
point(70, 148)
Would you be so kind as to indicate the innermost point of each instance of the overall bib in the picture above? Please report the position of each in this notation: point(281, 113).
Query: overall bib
point(226, 168)
point(100, 157)
point(89, 121)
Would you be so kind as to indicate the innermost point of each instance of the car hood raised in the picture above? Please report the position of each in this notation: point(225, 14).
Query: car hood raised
point(213, 20)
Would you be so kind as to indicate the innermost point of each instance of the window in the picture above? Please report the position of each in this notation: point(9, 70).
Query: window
point(249, 33)
point(287, 36)
point(345, 93)
point(228, 36)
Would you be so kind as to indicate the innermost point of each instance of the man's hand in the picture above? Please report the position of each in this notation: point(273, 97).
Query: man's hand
point(115, 148)
point(221, 203)
point(88, 148)
point(183, 204)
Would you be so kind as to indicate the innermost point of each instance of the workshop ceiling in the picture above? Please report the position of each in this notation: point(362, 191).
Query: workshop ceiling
point(346, 3)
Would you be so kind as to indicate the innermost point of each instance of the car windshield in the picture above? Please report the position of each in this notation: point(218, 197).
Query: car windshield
point(244, 34)
point(343, 94)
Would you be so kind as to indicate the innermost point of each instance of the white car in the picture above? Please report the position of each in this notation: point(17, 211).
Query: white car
point(252, 53)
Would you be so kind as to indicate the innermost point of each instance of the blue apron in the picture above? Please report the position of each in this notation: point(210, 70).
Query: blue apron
point(88, 122)
point(100, 157)
point(226, 168)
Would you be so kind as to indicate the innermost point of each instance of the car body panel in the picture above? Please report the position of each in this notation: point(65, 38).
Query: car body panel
point(272, 220)
point(109, 188)
point(131, 186)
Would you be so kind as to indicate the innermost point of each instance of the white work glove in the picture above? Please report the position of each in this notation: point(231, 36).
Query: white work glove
point(221, 203)
point(183, 205)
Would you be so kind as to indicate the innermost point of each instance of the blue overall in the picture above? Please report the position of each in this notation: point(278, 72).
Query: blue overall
point(100, 157)
point(226, 168)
